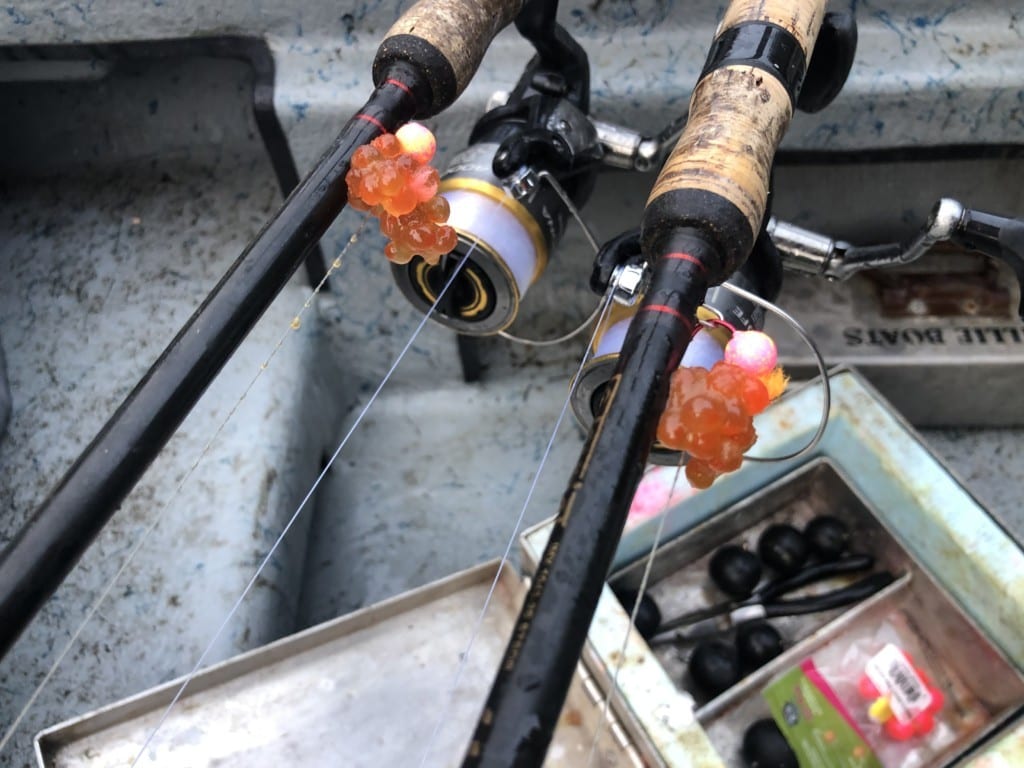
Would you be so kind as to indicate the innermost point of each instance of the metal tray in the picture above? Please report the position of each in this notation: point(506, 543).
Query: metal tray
point(983, 688)
point(916, 517)
point(889, 466)
point(367, 689)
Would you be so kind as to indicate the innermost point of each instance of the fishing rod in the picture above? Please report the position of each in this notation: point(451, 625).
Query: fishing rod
point(424, 62)
point(700, 224)
point(707, 213)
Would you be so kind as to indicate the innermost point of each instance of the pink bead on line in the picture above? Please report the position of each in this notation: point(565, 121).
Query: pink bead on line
point(390, 178)
point(417, 140)
point(753, 351)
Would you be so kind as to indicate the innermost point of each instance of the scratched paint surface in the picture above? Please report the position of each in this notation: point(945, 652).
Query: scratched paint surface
point(1007, 752)
point(928, 73)
point(100, 267)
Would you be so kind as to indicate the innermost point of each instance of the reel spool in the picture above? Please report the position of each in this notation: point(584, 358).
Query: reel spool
point(507, 219)
point(761, 274)
point(508, 239)
point(589, 389)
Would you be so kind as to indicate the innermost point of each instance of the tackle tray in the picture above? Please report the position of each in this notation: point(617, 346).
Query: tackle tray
point(958, 592)
point(366, 689)
point(1004, 750)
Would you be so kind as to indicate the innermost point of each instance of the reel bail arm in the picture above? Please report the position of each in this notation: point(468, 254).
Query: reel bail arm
point(998, 237)
point(505, 188)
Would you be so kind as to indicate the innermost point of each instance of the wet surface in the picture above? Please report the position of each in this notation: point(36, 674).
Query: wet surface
point(99, 271)
point(100, 267)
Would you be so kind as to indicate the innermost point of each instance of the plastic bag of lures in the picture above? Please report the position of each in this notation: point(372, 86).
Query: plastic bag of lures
point(808, 637)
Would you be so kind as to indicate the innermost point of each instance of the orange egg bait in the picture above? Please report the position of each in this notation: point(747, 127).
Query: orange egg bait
point(710, 416)
point(390, 178)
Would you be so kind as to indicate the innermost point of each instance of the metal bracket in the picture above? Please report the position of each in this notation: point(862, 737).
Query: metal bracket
point(629, 281)
point(805, 251)
point(623, 147)
point(522, 184)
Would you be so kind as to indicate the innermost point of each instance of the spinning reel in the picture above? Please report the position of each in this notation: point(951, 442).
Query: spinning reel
point(617, 264)
point(511, 191)
point(531, 164)
point(532, 161)
point(781, 245)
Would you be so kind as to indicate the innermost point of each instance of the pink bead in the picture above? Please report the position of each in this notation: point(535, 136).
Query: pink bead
point(899, 731)
point(417, 141)
point(753, 351)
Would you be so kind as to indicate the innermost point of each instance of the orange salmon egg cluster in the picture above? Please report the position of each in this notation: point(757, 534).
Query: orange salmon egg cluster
point(710, 416)
point(391, 178)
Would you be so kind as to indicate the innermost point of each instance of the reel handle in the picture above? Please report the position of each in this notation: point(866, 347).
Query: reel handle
point(997, 237)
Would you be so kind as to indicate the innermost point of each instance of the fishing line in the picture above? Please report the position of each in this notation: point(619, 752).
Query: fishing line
point(603, 308)
point(568, 203)
point(302, 505)
point(815, 439)
point(633, 614)
point(558, 340)
point(598, 314)
point(826, 402)
point(294, 325)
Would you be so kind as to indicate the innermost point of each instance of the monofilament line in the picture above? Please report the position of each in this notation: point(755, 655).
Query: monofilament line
point(162, 509)
point(464, 657)
point(636, 610)
point(295, 516)
point(826, 401)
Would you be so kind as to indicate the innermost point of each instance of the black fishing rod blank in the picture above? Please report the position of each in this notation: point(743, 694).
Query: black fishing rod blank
point(421, 67)
point(700, 224)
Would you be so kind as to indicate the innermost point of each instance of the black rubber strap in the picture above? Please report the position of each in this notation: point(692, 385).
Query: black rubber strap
point(762, 45)
point(839, 598)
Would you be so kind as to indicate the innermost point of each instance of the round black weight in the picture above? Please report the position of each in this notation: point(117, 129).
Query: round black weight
point(648, 617)
point(735, 571)
point(782, 548)
point(757, 644)
point(714, 666)
point(764, 746)
point(828, 537)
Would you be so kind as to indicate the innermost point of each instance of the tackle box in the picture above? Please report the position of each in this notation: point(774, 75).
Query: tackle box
point(957, 597)
point(369, 689)
point(376, 688)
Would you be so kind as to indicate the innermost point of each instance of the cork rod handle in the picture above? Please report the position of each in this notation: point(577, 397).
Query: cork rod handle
point(741, 108)
point(445, 40)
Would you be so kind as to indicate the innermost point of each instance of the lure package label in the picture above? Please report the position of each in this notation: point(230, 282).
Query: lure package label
point(891, 673)
point(815, 723)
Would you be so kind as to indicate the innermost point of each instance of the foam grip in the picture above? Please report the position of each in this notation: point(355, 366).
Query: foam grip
point(720, 168)
point(444, 40)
